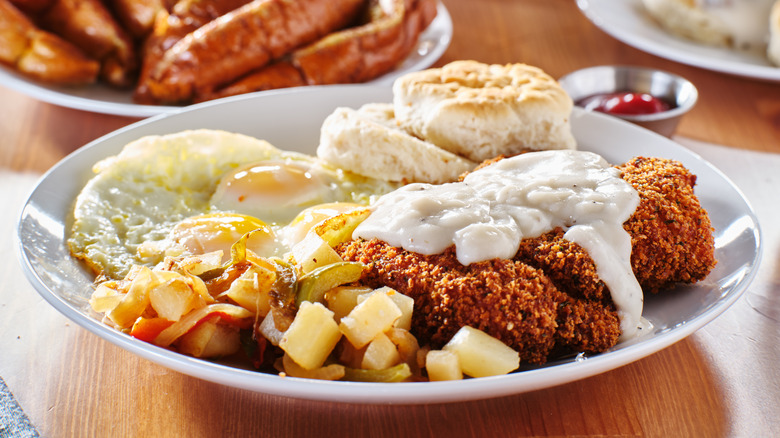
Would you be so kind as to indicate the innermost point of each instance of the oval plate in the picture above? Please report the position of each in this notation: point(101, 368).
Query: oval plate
point(291, 119)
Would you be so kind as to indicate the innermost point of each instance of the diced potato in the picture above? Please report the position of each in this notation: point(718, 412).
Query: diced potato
point(405, 304)
point(442, 365)
point(380, 353)
point(328, 372)
point(313, 252)
point(210, 339)
point(236, 315)
point(312, 336)
point(269, 331)
point(342, 299)
point(312, 286)
point(406, 344)
point(106, 296)
point(173, 298)
point(373, 316)
point(482, 355)
point(338, 229)
point(194, 341)
point(252, 289)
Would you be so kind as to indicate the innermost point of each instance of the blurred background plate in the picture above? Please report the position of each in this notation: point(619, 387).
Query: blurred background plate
point(627, 21)
point(103, 99)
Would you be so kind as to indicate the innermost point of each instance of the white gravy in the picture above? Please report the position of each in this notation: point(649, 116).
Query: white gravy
point(494, 208)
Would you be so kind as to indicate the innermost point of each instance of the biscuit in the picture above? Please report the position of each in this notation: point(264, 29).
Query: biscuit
point(367, 141)
point(480, 111)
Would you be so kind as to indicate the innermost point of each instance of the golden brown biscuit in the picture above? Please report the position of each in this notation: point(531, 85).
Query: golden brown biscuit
point(480, 111)
point(368, 142)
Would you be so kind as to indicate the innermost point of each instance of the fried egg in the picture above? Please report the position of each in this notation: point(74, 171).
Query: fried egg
point(277, 190)
point(199, 191)
point(218, 232)
point(309, 217)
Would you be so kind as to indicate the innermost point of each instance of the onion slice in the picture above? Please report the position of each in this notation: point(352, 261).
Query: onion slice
point(190, 320)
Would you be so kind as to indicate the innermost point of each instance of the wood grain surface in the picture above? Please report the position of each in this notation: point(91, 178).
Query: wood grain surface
point(724, 380)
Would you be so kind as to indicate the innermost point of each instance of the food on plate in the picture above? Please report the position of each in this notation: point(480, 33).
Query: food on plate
point(389, 31)
point(39, 54)
point(242, 40)
point(551, 297)
point(507, 299)
point(453, 248)
point(737, 24)
point(671, 234)
point(215, 244)
point(89, 25)
point(169, 27)
point(519, 108)
point(194, 50)
point(368, 141)
point(153, 196)
point(551, 294)
point(430, 134)
point(471, 346)
point(138, 16)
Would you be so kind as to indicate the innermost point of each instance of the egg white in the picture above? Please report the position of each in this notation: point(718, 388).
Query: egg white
point(137, 198)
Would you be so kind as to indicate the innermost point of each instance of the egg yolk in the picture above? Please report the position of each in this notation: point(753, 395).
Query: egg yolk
point(311, 216)
point(219, 231)
point(271, 190)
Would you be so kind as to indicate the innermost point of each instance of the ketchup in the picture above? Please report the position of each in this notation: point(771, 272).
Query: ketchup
point(625, 103)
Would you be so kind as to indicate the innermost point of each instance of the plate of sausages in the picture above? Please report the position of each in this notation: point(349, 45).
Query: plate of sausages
point(145, 57)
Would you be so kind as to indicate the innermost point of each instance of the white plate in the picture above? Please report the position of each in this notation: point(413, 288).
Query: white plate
point(103, 99)
point(627, 21)
point(291, 119)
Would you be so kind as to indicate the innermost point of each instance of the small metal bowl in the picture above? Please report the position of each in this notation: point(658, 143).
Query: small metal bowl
point(678, 91)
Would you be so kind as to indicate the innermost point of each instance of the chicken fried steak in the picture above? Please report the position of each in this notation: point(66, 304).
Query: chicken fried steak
point(507, 299)
point(548, 299)
point(671, 234)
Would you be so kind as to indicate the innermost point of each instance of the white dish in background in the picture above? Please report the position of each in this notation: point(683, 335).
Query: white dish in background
point(101, 98)
point(627, 21)
point(291, 119)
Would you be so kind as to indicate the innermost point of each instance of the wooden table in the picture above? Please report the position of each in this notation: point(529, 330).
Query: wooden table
point(724, 380)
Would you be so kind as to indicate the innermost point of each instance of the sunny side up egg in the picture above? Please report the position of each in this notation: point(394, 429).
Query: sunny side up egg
point(199, 191)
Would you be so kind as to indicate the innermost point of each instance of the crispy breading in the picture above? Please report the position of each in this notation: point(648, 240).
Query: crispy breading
point(507, 299)
point(549, 299)
point(671, 234)
point(566, 263)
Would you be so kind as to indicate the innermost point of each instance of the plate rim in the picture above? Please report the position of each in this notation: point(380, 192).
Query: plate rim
point(355, 392)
